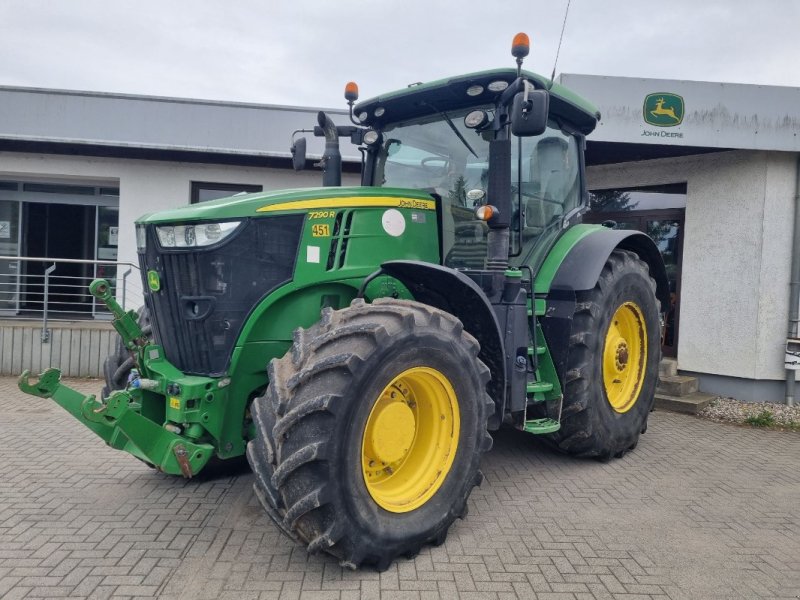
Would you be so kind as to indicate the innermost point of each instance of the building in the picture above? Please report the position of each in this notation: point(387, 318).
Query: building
point(710, 170)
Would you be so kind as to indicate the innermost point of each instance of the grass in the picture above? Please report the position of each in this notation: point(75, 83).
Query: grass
point(764, 419)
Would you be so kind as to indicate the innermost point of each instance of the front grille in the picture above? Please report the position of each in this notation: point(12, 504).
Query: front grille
point(207, 293)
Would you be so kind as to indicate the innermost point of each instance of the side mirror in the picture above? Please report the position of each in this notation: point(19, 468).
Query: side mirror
point(529, 117)
point(299, 154)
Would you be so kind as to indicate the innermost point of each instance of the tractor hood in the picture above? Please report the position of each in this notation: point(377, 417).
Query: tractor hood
point(283, 201)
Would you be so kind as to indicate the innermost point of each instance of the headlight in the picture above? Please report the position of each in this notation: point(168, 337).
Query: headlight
point(141, 238)
point(187, 236)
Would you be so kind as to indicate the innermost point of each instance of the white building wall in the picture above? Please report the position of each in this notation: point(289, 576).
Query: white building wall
point(776, 257)
point(735, 272)
point(148, 186)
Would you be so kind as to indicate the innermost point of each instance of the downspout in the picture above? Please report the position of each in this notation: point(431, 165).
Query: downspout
point(794, 285)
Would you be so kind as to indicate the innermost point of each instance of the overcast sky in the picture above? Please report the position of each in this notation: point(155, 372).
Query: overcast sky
point(303, 52)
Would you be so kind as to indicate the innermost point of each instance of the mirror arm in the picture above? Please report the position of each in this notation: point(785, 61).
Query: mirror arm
point(352, 118)
point(508, 94)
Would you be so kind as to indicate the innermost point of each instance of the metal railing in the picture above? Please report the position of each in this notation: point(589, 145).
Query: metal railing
point(57, 289)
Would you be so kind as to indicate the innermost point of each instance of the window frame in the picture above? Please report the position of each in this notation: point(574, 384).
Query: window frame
point(235, 188)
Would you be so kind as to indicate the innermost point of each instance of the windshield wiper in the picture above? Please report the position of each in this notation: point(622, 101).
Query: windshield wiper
point(454, 128)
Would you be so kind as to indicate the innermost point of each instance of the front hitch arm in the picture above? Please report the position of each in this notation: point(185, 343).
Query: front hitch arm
point(119, 422)
point(44, 387)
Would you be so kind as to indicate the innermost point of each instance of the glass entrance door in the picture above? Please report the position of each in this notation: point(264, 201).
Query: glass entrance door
point(9, 246)
point(106, 236)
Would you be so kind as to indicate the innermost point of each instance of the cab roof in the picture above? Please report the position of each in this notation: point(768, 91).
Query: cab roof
point(419, 100)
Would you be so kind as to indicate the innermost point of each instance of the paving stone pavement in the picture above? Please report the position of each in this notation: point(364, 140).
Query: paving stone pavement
point(699, 510)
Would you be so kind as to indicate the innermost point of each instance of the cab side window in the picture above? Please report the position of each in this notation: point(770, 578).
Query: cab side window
point(548, 185)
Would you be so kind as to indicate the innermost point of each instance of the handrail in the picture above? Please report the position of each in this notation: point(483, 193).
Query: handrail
point(82, 261)
point(45, 330)
point(53, 296)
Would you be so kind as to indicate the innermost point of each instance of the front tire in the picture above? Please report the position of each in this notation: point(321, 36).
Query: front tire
point(371, 432)
point(612, 370)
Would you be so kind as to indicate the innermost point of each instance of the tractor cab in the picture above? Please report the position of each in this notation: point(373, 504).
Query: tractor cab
point(437, 138)
point(505, 139)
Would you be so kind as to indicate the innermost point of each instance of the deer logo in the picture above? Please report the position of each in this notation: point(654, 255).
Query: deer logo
point(663, 110)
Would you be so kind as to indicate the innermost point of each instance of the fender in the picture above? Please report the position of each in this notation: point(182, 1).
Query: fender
point(579, 271)
point(582, 266)
point(454, 292)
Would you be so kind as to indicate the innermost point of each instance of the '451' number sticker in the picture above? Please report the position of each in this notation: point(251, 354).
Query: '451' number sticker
point(321, 230)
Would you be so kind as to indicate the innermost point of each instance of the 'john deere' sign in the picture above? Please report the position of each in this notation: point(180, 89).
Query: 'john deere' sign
point(663, 110)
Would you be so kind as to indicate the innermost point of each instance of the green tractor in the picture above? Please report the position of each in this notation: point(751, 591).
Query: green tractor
point(359, 344)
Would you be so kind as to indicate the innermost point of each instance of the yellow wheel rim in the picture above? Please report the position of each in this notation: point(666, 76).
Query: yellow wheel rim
point(625, 357)
point(410, 439)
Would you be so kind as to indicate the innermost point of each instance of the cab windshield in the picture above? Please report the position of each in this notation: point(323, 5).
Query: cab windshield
point(446, 158)
point(429, 155)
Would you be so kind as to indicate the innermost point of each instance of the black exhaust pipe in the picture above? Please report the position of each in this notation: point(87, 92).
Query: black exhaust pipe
point(331, 162)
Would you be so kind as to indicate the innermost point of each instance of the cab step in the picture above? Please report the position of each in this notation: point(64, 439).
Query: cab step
point(541, 426)
point(538, 350)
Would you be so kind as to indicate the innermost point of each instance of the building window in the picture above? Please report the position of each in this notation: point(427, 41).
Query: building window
point(642, 198)
point(75, 227)
point(203, 191)
point(659, 211)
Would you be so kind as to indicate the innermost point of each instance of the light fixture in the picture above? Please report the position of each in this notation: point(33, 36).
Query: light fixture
point(476, 119)
point(486, 212)
point(497, 86)
point(190, 236)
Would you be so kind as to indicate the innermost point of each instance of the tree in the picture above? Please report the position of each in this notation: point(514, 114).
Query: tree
point(611, 201)
point(458, 195)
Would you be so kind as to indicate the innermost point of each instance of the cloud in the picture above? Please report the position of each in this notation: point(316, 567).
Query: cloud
point(304, 52)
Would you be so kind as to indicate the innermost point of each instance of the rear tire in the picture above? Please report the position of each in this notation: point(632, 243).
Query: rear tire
point(323, 420)
point(612, 368)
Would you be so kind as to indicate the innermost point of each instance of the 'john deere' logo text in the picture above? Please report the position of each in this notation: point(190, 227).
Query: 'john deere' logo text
point(663, 110)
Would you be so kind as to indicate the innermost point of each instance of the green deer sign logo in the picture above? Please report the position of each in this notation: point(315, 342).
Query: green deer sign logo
point(663, 110)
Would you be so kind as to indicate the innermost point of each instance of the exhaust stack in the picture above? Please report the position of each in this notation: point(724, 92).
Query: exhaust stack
point(331, 161)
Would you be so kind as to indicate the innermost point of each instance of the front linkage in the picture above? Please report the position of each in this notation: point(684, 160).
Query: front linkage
point(163, 417)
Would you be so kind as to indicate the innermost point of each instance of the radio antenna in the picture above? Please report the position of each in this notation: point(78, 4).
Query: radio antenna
point(558, 50)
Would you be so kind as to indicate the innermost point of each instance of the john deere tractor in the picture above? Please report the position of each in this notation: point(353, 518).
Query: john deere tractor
point(359, 344)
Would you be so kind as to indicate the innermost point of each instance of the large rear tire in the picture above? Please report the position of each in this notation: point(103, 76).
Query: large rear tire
point(371, 432)
point(612, 370)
